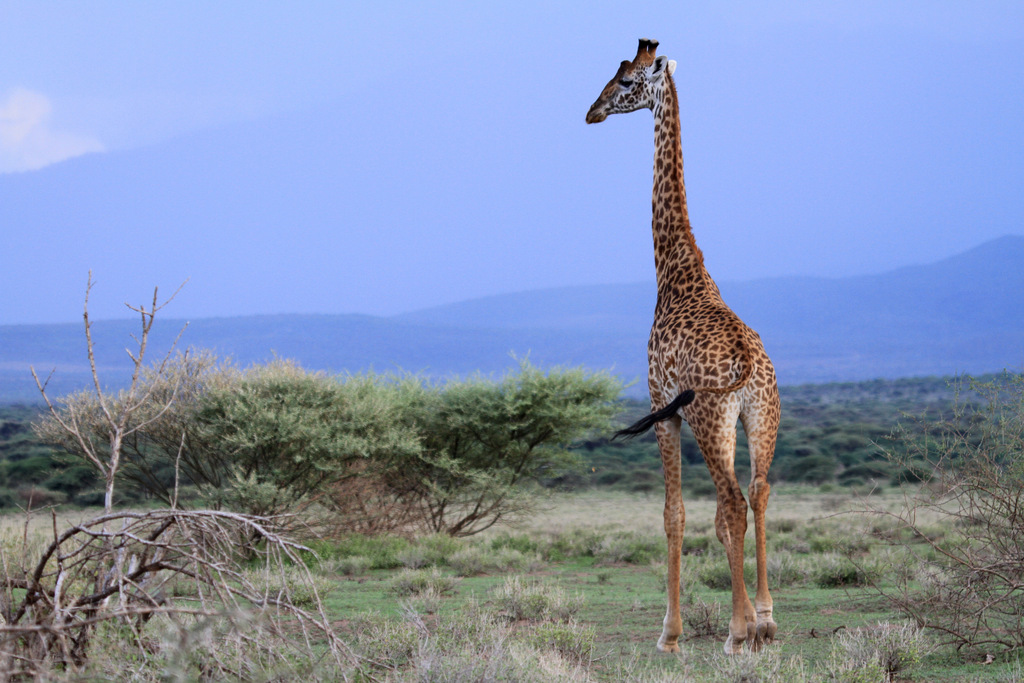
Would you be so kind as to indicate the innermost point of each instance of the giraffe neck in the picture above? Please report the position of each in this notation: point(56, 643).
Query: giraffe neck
point(678, 261)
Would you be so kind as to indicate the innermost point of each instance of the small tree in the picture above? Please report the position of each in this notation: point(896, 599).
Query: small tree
point(98, 424)
point(969, 583)
point(483, 441)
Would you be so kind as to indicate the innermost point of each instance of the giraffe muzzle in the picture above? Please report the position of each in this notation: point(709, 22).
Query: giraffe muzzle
point(596, 113)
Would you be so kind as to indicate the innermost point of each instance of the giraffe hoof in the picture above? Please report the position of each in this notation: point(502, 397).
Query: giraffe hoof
point(668, 643)
point(733, 646)
point(765, 633)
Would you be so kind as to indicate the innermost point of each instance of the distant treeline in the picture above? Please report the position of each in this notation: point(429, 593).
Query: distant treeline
point(831, 434)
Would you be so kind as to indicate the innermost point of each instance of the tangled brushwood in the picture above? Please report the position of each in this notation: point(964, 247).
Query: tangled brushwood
point(968, 582)
point(157, 578)
point(165, 594)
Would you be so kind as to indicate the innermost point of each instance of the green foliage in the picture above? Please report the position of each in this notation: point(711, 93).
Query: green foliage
point(521, 599)
point(380, 451)
point(573, 641)
point(835, 571)
point(483, 440)
point(830, 433)
point(386, 642)
point(262, 441)
point(282, 433)
point(715, 573)
point(416, 581)
point(355, 565)
point(631, 547)
point(878, 653)
point(291, 583)
point(382, 552)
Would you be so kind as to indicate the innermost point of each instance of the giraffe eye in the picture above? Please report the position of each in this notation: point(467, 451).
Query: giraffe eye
point(625, 82)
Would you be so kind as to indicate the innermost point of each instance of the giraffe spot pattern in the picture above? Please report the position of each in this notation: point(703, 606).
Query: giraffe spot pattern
point(697, 342)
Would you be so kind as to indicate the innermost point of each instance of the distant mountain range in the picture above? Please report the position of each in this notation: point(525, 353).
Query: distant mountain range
point(964, 314)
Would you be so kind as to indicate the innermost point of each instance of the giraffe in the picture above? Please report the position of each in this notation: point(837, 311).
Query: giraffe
point(704, 365)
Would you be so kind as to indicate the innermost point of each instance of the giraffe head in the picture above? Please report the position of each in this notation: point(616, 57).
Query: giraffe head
point(635, 85)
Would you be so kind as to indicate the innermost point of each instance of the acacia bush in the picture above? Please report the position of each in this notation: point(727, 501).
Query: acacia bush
point(481, 441)
point(969, 582)
point(376, 453)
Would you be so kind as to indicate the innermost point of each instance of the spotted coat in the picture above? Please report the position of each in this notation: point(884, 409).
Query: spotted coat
point(698, 343)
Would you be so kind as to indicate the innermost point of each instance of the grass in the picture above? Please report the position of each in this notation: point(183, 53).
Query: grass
point(607, 552)
point(578, 591)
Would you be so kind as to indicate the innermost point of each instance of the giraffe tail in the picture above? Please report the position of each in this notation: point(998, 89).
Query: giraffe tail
point(645, 423)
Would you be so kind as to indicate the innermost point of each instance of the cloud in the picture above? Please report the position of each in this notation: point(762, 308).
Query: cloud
point(27, 140)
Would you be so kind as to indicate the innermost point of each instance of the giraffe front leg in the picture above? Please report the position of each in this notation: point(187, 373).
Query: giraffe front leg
point(675, 523)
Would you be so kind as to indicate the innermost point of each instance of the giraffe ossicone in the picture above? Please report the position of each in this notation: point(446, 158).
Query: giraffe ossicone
point(704, 365)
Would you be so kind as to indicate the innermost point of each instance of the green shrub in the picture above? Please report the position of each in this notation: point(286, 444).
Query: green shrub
point(835, 571)
point(416, 581)
point(610, 477)
point(631, 547)
point(413, 557)
point(785, 570)
point(521, 542)
point(382, 551)
point(8, 498)
point(783, 525)
point(521, 599)
point(36, 496)
point(766, 665)
point(33, 470)
point(511, 560)
point(300, 587)
point(572, 544)
point(353, 565)
point(881, 652)
point(439, 547)
point(696, 544)
point(715, 573)
point(573, 641)
point(385, 642)
point(470, 561)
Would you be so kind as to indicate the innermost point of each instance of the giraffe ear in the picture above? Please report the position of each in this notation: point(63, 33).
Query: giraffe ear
point(671, 66)
point(661, 63)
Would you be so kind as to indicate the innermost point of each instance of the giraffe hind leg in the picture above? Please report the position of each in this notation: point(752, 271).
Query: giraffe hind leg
point(761, 438)
point(718, 444)
point(766, 626)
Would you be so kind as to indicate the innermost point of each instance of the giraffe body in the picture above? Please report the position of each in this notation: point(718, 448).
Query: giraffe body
point(703, 359)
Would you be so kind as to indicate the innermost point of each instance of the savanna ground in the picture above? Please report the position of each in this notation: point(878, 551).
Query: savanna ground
point(577, 593)
point(606, 552)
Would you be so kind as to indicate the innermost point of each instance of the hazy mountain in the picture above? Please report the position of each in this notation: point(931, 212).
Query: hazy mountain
point(962, 314)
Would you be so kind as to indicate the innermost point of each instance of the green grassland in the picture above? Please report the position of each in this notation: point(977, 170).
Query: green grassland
point(598, 559)
point(606, 553)
point(576, 592)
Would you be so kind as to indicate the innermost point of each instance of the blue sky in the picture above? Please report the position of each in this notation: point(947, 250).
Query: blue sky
point(825, 139)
